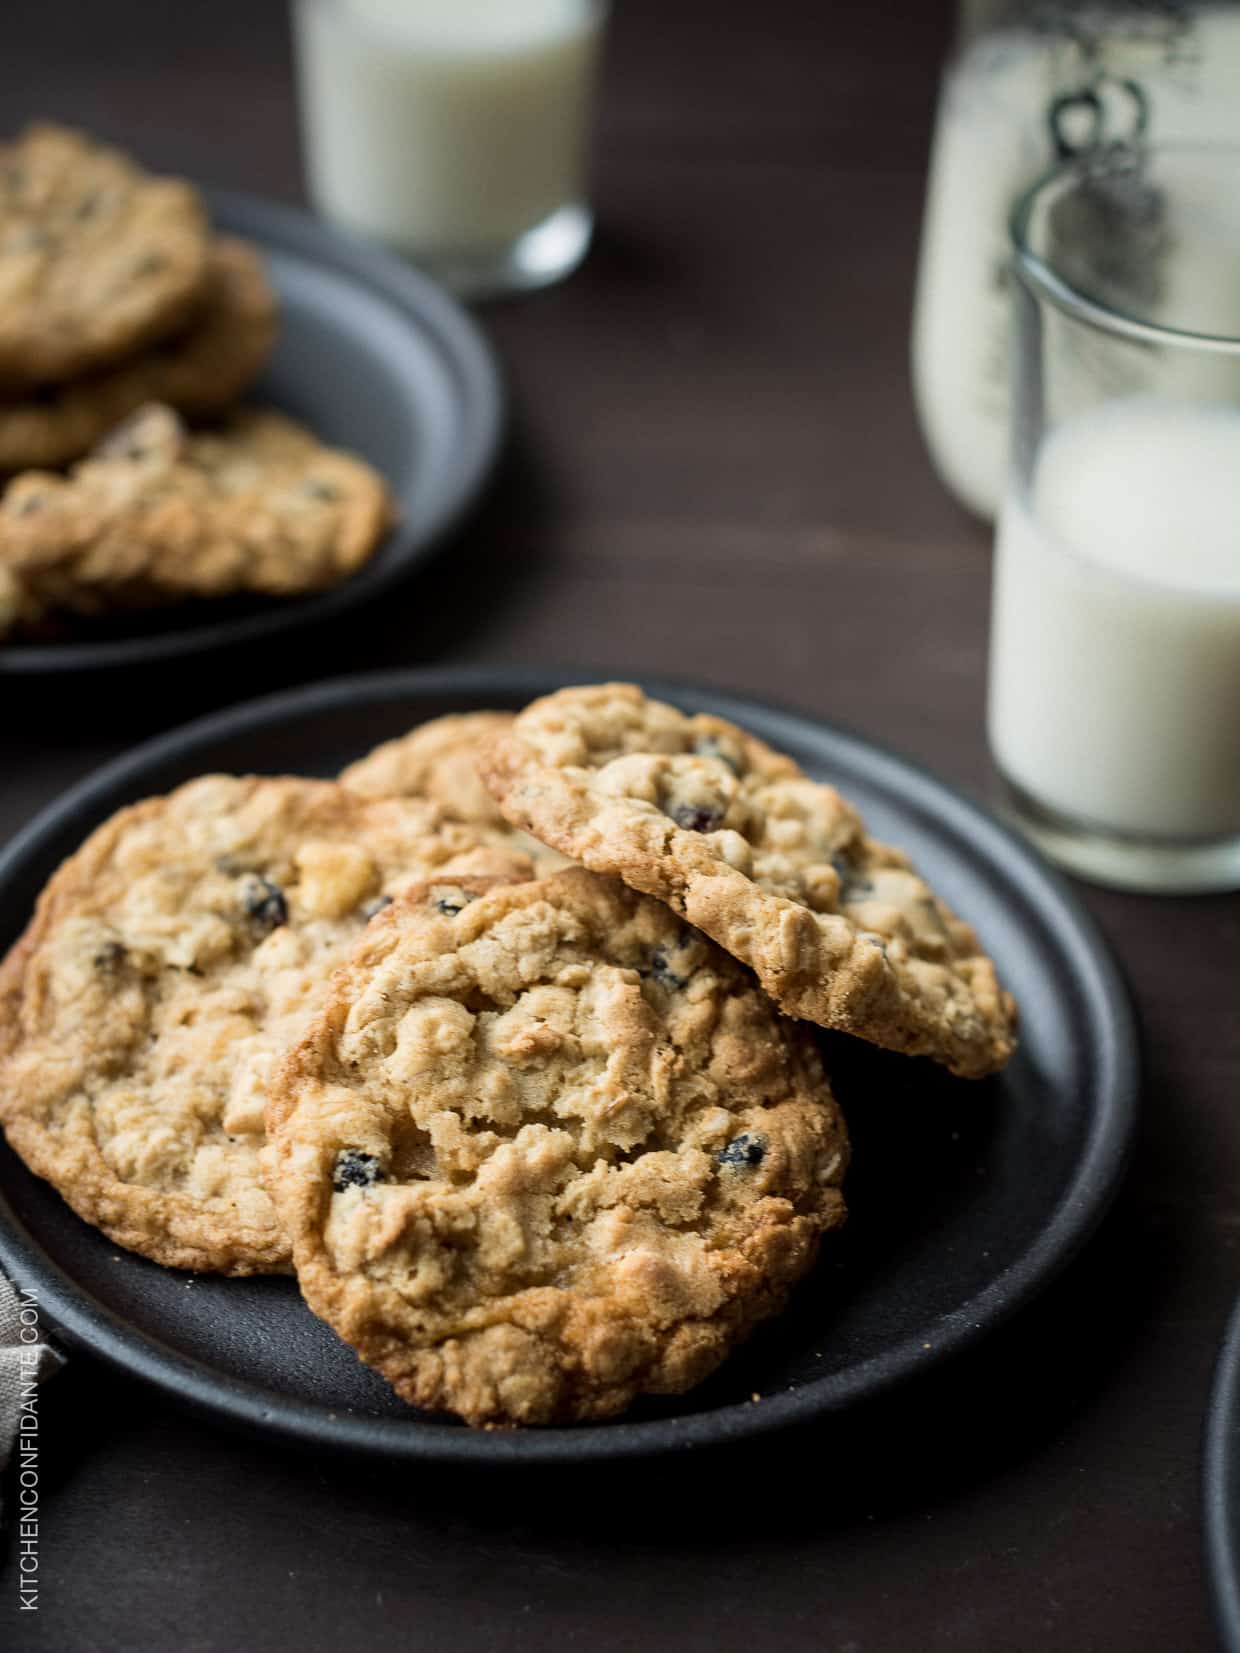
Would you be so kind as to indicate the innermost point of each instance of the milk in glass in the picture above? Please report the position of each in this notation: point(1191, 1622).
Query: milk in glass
point(1115, 653)
point(446, 125)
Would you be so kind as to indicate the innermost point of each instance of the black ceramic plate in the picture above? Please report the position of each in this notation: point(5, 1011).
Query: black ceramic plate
point(373, 357)
point(1221, 1485)
point(965, 1198)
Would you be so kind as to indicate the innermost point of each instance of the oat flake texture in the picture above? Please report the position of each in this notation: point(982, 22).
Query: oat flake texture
point(546, 1148)
point(776, 867)
point(168, 964)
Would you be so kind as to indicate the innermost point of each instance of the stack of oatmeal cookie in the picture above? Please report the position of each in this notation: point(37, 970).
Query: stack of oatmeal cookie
point(122, 316)
point(504, 1041)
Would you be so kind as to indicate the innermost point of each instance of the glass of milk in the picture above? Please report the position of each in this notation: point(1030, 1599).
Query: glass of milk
point(1114, 693)
point(455, 131)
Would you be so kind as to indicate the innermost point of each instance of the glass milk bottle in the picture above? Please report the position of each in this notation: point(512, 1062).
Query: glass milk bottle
point(1030, 84)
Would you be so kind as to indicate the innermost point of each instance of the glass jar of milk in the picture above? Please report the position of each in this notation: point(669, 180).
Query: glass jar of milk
point(453, 130)
point(1029, 82)
point(1114, 698)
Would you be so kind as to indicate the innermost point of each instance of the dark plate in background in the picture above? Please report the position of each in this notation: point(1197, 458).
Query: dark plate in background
point(1221, 1487)
point(373, 357)
point(965, 1198)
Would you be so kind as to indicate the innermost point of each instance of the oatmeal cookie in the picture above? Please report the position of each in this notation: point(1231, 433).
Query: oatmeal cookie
point(97, 257)
point(546, 1149)
point(439, 760)
point(436, 760)
point(200, 371)
point(776, 867)
point(167, 965)
point(157, 513)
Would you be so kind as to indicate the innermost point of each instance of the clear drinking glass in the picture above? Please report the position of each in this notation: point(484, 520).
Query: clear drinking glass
point(453, 130)
point(1114, 695)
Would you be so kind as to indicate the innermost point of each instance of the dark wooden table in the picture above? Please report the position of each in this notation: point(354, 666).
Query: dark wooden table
point(714, 473)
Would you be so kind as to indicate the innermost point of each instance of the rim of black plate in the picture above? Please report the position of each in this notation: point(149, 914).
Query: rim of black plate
point(1221, 1486)
point(483, 403)
point(273, 1417)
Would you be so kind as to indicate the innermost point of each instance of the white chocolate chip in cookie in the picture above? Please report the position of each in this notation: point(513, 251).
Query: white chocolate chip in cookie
point(334, 878)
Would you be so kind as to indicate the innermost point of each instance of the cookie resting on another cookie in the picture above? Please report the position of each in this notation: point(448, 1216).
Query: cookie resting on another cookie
point(199, 372)
point(439, 760)
point(776, 867)
point(546, 1149)
point(159, 513)
point(97, 257)
point(168, 963)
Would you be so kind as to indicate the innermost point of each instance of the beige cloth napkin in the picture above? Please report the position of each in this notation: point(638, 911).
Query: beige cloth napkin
point(26, 1357)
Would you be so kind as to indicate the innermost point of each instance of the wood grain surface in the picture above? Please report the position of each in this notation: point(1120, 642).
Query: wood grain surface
point(714, 473)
